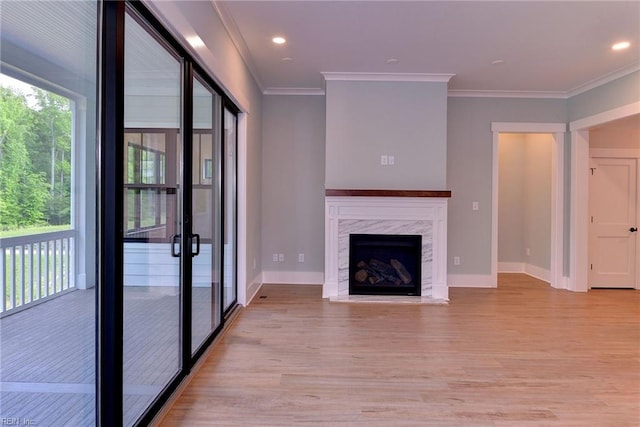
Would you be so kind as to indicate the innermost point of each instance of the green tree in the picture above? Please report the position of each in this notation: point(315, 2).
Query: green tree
point(50, 151)
point(23, 192)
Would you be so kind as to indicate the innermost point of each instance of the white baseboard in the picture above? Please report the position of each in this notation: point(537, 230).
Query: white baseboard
point(293, 277)
point(511, 267)
point(564, 283)
point(471, 281)
point(528, 269)
point(537, 272)
point(253, 288)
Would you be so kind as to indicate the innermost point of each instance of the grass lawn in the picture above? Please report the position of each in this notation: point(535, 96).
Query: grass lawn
point(33, 230)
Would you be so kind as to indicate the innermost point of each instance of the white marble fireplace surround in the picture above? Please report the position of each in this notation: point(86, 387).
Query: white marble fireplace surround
point(386, 212)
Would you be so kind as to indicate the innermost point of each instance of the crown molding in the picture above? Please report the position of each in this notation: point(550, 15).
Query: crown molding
point(293, 91)
point(237, 39)
point(507, 94)
point(602, 80)
point(388, 77)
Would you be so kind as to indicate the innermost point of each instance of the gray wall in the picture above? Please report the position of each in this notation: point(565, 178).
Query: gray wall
point(511, 198)
point(524, 199)
point(292, 182)
point(368, 119)
point(620, 92)
point(236, 79)
point(619, 138)
point(469, 170)
point(537, 200)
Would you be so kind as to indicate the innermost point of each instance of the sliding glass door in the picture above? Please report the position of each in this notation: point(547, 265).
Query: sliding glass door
point(118, 233)
point(152, 218)
point(207, 218)
point(230, 207)
point(48, 197)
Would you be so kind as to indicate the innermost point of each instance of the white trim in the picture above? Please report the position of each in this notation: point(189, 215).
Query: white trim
point(537, 272)
point(172, 18)
point(511, 267)
point(241, 211)
point(579, 211)
point(507, 127)
point(388, 77)
point(380, 215)
point(557, 192)
point(606, 116)
point(293, 277)
point(471, 281)
point(293, 91)
point(235, 35)
point(528, 269)
point(494, 206)
point(622, 153)
point(545, 94)
point(563, 284)
point(579, 242)
point(454, 93)
point(602, 80)
point(254, 288)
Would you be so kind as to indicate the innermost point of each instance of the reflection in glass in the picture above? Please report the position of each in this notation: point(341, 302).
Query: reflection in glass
point(47, 213)
point(151, 271)
point(206, 213)
point(230, 229)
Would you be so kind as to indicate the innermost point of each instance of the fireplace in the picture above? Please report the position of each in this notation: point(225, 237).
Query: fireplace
point(386, 212)
point(385, 264)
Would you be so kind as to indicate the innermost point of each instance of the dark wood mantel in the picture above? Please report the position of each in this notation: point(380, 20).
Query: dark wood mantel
point(387, 193)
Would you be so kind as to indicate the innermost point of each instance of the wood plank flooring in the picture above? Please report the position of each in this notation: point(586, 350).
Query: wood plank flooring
point(520, 355)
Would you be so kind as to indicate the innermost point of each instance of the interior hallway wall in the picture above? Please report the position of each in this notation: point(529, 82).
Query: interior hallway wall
point(469, 174)
point(293, 168)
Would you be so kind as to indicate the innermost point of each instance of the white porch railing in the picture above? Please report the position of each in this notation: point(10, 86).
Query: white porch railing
point(35, 268)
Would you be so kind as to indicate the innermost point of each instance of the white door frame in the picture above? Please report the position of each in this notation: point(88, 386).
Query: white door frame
point(558, 130)
point(579, 211)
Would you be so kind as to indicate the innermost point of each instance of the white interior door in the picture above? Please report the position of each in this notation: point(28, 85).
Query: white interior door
point(612, 239)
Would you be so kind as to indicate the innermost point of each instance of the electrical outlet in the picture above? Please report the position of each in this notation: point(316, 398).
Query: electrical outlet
point(275, 257)
point(475, 206)
point(300, 257)
point(280, 257)
point(456, 260)
point(392, 160)
point(384, 160)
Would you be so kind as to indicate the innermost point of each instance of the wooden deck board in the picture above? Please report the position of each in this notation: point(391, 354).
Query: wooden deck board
point(520, 355)
point(49, 349)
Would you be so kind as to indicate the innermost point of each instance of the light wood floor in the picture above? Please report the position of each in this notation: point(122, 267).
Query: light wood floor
point(520, 355)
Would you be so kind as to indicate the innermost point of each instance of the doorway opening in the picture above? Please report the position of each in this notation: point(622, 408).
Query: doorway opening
point(524, 204)
point(579, 217)
point(546, 257)
point(614, 153)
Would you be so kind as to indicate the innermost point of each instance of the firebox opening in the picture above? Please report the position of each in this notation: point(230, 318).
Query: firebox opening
point(385, 264)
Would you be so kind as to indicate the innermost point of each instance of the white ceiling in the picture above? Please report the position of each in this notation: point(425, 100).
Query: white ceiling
point(554, 48)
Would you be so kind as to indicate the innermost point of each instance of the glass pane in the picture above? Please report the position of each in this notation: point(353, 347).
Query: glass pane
point(230, 162)
point(151, 269)
point(146, 191)
point(47, 213)
point(206, 214)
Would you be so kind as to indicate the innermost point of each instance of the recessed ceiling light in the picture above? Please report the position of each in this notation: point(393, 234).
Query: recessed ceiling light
point(392, 61)
point(621, 45)
point(497, 62)
point(279, 40)
point(287, 59)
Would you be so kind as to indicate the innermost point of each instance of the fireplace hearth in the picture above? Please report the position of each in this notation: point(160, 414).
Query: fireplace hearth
point(385, 264)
